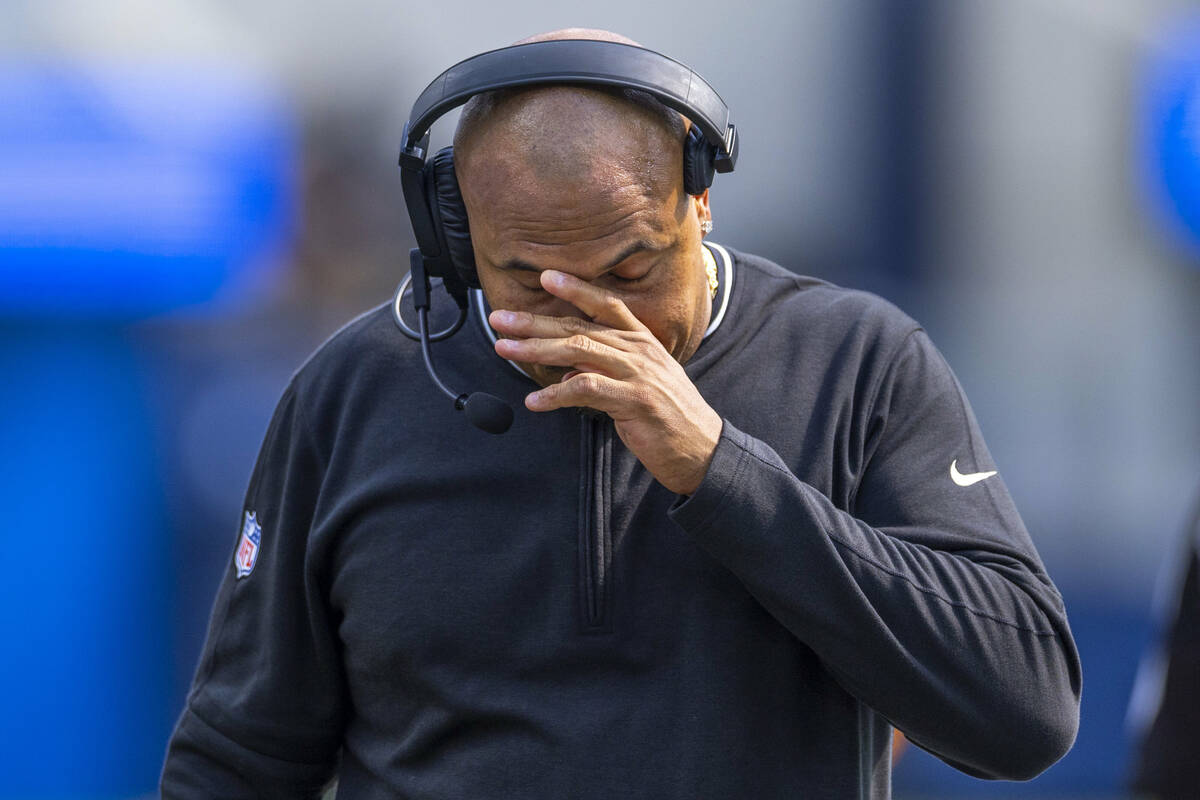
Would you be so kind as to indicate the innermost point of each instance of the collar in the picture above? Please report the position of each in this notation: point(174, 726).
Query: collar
point(720, 302)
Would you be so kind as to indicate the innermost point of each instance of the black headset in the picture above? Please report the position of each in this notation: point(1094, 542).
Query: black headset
point(431, 192)
point(435, 205)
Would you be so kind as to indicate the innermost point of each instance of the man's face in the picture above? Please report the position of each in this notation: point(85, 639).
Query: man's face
point(621, 222)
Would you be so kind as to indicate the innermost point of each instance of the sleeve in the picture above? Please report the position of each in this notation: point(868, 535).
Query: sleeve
point(264, 714)
point(926, 600)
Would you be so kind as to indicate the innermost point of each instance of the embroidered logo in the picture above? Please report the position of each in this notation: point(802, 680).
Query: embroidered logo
point(970, 478)
point(247, 552)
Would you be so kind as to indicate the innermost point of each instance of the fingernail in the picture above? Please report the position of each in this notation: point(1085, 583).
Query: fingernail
point(534, 398)
point(506, 317)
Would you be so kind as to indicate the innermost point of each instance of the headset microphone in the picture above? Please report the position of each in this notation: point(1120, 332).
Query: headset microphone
point(485, 411)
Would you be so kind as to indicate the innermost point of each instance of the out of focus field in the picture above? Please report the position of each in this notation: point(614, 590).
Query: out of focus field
point(194, 195)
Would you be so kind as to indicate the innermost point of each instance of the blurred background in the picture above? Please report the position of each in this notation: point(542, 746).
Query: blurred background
point(193, 195)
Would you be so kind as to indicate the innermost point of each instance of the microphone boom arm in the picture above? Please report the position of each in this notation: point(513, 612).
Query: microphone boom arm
point(486, 412)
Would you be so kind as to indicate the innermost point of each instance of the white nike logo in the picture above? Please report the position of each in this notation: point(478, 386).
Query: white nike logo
point(968, 479)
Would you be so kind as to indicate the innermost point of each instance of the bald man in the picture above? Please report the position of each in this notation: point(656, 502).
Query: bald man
point(743, 525)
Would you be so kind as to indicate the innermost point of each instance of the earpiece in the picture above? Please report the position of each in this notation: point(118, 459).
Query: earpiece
point(456, 233)
point(699, 162)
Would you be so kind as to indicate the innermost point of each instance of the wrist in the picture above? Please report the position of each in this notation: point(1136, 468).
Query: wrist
point(710, 436)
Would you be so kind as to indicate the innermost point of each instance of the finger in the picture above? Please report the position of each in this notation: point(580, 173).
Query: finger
point(579, 352)
point(600, 304)
point(585, 389)
point(524, 324)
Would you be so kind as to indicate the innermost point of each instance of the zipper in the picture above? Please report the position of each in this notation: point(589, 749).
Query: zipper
point(595, 530)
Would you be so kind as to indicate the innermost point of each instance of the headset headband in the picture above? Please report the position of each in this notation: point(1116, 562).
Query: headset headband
point(576, 62)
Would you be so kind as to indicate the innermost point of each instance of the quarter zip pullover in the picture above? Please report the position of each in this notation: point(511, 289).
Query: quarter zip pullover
point(439, 613)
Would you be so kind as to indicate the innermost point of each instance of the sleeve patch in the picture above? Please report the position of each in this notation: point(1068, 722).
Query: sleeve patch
point(249, 545)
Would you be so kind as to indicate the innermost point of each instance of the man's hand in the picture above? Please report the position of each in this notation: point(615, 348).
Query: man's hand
point(618, 367)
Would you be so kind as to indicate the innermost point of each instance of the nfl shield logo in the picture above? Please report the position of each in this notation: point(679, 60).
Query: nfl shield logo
point(247, 552)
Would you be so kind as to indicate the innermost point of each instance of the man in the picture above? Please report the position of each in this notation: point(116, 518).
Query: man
point(768, 537)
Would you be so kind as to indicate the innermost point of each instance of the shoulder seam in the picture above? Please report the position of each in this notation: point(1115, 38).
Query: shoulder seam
point(344, 329)
point(302, 421)
point(873, 394)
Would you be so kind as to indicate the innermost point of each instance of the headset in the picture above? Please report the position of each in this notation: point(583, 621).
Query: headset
point(431, 191)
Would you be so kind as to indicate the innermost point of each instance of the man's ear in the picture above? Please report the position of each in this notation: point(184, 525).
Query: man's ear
point(701, 210)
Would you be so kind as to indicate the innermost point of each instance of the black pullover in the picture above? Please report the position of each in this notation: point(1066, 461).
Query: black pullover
point(434, 612)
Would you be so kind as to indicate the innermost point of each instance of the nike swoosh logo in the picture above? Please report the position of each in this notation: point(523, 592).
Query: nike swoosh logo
point(970, 478)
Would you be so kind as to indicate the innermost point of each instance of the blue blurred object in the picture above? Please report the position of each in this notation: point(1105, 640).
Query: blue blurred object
point(1170, 134)
point(133, 189)
point(124, 192)
point(84, 608)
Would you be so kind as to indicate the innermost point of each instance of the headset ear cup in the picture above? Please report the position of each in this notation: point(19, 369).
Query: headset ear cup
point(699, 162)
point(456, 231)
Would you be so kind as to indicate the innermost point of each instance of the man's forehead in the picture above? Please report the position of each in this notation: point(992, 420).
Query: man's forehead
point(533, 220)
point(560, 127)
point(567, 179)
